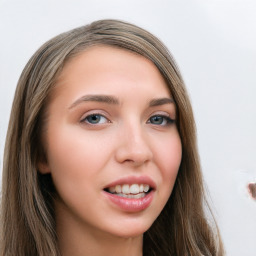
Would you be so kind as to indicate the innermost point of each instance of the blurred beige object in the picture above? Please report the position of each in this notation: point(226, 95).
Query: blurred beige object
point(252, 189)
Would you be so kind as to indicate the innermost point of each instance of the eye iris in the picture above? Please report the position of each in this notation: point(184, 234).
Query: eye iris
point(94, 119)
point(156, 119)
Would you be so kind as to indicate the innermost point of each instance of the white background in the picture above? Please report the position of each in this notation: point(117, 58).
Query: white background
point(214, 43)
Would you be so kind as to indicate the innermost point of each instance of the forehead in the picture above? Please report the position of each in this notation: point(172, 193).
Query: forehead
point(99, 66)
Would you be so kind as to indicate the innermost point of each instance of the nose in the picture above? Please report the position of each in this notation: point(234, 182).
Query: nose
point(133, 146)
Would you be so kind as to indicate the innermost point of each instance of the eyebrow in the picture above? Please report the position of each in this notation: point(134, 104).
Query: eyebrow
point(97, 98)
point(160, 101)
point(113, 100)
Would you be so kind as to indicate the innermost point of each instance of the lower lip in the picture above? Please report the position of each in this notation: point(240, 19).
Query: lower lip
point(131, 204)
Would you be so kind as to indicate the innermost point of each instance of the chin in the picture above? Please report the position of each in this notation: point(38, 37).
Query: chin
point(131, 230)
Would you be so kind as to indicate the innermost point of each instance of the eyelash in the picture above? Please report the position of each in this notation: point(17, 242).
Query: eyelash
point(85, 120)
point(165, 119)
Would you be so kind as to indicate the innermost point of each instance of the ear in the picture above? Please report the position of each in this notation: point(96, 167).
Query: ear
point(43, 167)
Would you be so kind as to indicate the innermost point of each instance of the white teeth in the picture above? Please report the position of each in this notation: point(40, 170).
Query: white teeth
point(146, 188)
point(126, 189)
point(140, 195)
point(118, 189)
point(134, 189)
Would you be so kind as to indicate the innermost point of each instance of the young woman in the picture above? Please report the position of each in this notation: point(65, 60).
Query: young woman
point(101, 155)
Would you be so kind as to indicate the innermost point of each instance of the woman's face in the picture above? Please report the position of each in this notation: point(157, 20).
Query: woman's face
point(112, 144)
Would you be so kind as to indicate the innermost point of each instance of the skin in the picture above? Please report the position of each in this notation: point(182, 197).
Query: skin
point(123, 140)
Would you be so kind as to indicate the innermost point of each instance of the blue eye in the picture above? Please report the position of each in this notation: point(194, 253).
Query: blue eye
point(160, 120)
point(95, 119)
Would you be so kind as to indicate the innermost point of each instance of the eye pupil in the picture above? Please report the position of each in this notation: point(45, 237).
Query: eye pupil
point(94, 119)
point(156, 119)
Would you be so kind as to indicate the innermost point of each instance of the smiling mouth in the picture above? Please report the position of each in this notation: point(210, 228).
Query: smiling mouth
point(133, 191)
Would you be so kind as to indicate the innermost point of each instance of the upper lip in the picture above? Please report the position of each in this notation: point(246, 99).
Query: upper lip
point(133, 180)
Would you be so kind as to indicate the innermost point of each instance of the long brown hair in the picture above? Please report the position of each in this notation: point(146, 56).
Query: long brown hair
point(27, 216)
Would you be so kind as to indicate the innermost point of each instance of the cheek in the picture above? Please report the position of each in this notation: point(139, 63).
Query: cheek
point(172, 157)
point(74, 150)
point(75, 165)
point(73, 158)
point(169, 154)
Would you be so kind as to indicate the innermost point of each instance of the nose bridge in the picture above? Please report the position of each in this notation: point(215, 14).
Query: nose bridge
point(134, 144)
